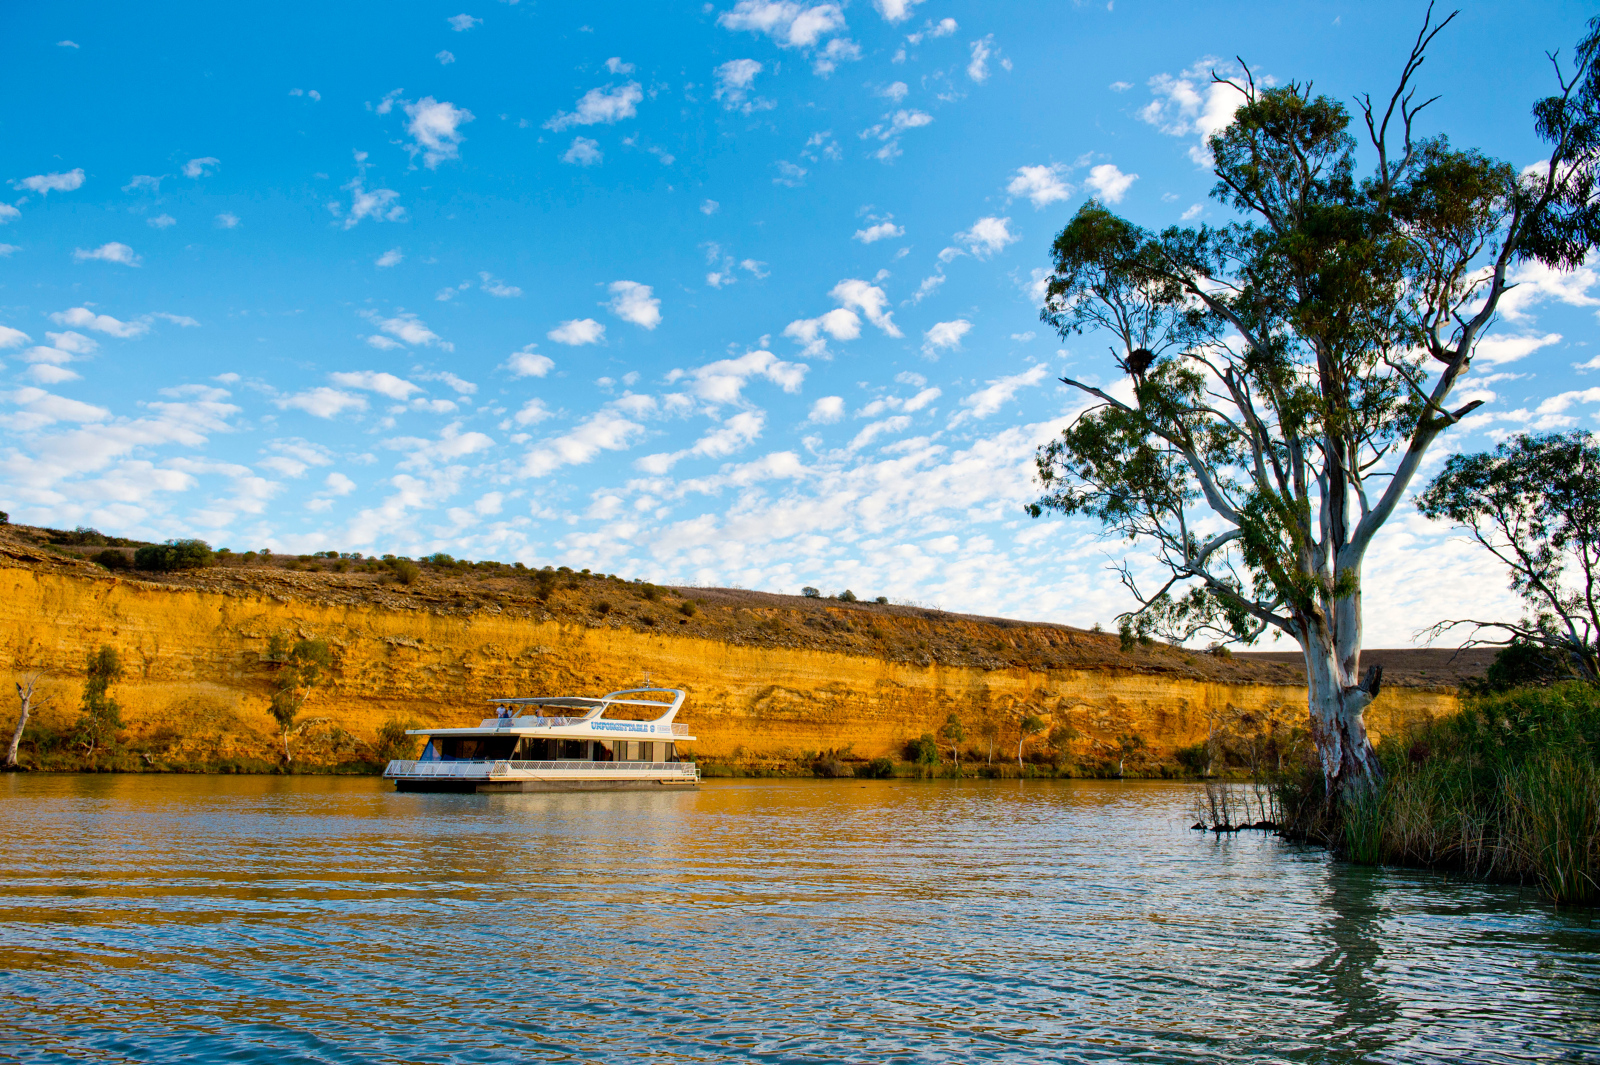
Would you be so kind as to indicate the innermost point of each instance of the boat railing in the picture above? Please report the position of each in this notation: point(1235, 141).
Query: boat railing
point(479, 768)
point(673, 729)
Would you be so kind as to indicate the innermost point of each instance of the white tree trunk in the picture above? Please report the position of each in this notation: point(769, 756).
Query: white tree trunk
point(1338, 699)
point(25, 689)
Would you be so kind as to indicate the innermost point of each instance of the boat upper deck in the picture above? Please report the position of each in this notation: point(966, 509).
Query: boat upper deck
point(591, 722)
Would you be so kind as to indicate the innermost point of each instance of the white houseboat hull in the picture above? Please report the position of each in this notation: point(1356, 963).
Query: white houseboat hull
point(490, 777)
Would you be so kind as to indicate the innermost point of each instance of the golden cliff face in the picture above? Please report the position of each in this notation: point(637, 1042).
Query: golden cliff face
point(193, 660)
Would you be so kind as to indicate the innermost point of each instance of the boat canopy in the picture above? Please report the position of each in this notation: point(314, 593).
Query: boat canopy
point(589, 721)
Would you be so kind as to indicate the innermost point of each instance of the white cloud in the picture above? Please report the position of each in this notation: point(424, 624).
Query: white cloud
point(1194, 211)
point(7, 213)
point(84, 318)
point(944, 335)
point(633, 302)
point(529, 363)
point(533, 412)
point(294, 457)
point(896, 424)
point(463, 22)
point(384, 343)
point(945, 27)
point(67, 44)
point(841, 324)
point(7, 249)
point(310, 94)
point(495, 287)
point(790, 175)
point(723, 381)
point(12, 338)
point(583, 152)
point(1191, 104)
point(827, 410)
point(987, 236)
point(792, 25)
point(113, 252)
point(895, 91)
point(895, 10)
point(392, 257)
point(927, 288)
point(1535, 283)
point(411, 329)
point(1041, 184)
point(709, 207)
point(45, 184)
point(616, 66)
point(322, 402)
point(736, 433)
point(436, 127)
point(40, 408)
point(378, 205)
point(1110, 183)
point(604, 105)
point(734, 80)
point(605, 430)
point(839, 50)
point(227, 220)
point(889, 131)
point(202, 167)
point(385, 384)
point(339, 484)
point(445, 57)
point(1121, 86)
point(987, 401)
point(161, 221)
point(882, 231)
point(578, 331)
point(1495, 350)
point(984, 50)
point(869, 300)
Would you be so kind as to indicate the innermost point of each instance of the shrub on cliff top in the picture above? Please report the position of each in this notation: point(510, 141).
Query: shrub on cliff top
point(111, 558)
point(172, 556)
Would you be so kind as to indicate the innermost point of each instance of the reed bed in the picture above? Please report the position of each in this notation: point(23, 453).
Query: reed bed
point(1509, 790)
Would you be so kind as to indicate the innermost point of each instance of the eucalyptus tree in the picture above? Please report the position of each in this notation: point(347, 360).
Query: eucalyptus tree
point(1534, 503)
point(1290, 369)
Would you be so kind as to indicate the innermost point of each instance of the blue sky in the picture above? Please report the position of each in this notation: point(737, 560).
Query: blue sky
point(735, 293)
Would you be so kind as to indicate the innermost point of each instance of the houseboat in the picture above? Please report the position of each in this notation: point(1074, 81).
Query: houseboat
point(621, 741)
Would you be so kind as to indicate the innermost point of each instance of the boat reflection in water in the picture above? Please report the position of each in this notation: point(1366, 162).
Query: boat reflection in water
point(614, 743)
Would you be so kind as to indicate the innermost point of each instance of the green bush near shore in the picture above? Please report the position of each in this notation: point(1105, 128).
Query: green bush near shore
point(1507, 790)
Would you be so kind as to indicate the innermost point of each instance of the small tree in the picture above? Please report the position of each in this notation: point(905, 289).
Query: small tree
point(303, 668)
point(27, 692)
point(100, 718)
point(1534, 503)
point(953, 732)
point(1030, 725)
point(1290, 371)
point(172, 556)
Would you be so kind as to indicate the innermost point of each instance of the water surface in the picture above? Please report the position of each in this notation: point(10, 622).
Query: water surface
point(246, 919)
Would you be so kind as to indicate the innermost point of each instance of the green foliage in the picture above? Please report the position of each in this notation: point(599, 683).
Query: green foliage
point(1508, 789)
point(882, 600)
point(5, 519)
point(688, 609)
point(603, 607)
point(99, 717)
point(1519, 664)
point(924, 750)
point(112, 559)
point(1534, 503)
point(810, 592)
point(393, 742)
point(1290, 369)
point(405, 571)
point(847, 596)
point(172, 556)
point(649, 592)
point(877, 769)
point(303, 668)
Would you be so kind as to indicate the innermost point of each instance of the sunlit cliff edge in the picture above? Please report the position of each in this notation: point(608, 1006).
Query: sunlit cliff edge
point(769, 677)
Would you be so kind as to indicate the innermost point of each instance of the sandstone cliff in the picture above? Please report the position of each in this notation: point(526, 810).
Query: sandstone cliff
point(769, 677)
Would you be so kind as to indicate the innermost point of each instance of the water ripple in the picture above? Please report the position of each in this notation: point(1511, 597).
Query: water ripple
point(314, 920)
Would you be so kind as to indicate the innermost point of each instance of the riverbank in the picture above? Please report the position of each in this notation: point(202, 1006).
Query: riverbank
point(773, 680)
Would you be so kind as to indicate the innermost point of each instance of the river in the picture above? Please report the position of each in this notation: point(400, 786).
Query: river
point(313, 919)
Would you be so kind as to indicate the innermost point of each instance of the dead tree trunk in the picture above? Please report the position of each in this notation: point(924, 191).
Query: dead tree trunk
point(26, 687)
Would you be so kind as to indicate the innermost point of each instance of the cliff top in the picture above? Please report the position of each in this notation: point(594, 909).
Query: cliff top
point(896, 631)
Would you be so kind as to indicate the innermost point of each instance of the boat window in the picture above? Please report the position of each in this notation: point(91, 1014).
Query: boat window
point(670, 754)
point(572, 750)
point(474, 748)
point(647, 752)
